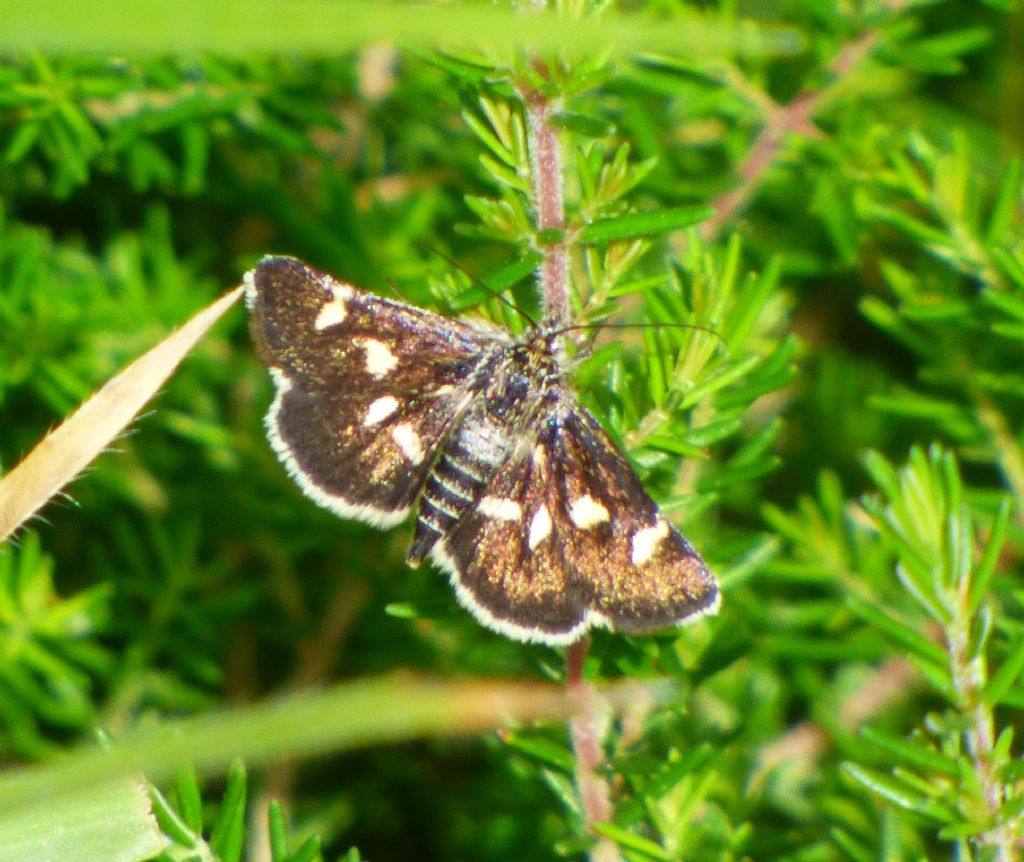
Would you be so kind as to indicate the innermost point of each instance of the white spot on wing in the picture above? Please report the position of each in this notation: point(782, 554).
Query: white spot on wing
point(335, 310)
point(646, 541)
point(379, 358)
point(331, 314)
point(380, 409)
point(586, 512)
point(409, 442)
point(500, 508)
point(540, 527)
point(333, 502)
point(249, 283)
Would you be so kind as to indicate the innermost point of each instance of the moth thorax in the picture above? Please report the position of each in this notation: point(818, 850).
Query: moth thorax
point(509, 392)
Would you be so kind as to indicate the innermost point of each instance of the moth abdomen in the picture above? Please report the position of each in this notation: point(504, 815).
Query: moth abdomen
point(452, 486)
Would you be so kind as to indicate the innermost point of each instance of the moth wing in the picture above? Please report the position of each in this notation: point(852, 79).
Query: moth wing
point(565, 537)
point(366, 387)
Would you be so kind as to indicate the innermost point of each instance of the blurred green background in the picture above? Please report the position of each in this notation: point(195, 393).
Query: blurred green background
point(857, 695)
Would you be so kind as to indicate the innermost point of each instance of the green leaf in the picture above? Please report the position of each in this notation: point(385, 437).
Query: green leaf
point(713, 432)
point(1010, 265)
point(1006, 203)
point(899, 793)
point(544, 750)
point(741, 474)
point(110, 822)
point(1007, 675)
point(719, 380)
point(486, 135)
point(987, 565)
point(468, 69)
point(277, 830)
point(939, 54)
point(1013, 331)
point(938, 676)
point(670, 443)
point(227, 838)
point(309, 851)
point(851, 847)
point(562, 787)
point(912, 752)
point(915, 229)
point(664, 777)
point(583, 124)
point(888, 319)
point(503, 175)
point(1007, 303)
point(627, 840)
point(642, 224)
point(655, 362)
point(900, 632)
point(550, 236)
point(916, 406)
point(513, 272)
point(190, 801)
point(171, 823)
point(750, 304)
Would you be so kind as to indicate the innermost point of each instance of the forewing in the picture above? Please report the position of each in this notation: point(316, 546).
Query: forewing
point(366, 387)
point(566, 537)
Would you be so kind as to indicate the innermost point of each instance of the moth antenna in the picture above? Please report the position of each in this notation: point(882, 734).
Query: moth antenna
point(481, 284)
point(697, 326)
point(397, 291)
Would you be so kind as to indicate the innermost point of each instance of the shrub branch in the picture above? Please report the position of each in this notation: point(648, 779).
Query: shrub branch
point(549, 206)
point(779, 120)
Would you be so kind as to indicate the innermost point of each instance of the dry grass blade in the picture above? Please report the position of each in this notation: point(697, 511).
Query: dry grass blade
point(66, 450)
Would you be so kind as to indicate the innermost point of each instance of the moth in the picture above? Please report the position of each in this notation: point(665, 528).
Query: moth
point(382, 408)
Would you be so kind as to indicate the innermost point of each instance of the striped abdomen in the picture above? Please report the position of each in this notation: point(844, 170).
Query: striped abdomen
point(457, 481)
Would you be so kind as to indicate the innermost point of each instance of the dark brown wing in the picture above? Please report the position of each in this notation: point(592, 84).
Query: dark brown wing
point(366, 387)
point(565, 537)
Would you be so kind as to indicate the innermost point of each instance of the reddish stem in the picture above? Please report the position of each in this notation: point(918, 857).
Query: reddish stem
point(548, 202)
point(796, 116)
point(587, 729)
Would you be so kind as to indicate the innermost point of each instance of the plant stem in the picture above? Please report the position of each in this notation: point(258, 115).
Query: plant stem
point(548, 203)
point(587, 732)
point(969, 676)
point(796, 116)
point(587, 725)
